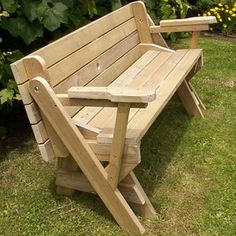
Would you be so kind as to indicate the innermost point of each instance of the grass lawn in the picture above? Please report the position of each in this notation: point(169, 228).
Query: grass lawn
point(188, 169)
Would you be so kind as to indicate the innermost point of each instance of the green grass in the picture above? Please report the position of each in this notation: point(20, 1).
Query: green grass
point(188, 169)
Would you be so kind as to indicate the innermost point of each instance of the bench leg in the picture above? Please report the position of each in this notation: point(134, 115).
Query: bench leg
point(75, 143)
point(145, 209)
point(190, 100)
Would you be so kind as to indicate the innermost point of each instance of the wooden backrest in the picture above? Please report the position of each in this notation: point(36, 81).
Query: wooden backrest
point(93, 55)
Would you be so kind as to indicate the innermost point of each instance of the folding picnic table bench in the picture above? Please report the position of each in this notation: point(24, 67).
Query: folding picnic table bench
point(92, 95)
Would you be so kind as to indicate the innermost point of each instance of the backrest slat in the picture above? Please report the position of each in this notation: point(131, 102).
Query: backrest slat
point(78, 59)
point(99, 64)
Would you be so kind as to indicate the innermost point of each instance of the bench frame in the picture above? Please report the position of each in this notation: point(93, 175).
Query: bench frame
point(80, 158)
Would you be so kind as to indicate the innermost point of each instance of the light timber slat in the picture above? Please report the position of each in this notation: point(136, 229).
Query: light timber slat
point(79, 182)
point(131, 153)
point(188, 98)
point(184, 28)
point(98, 65)
point(24, 92)
point(145, 209)
point(40, 132)
point(75, 61)
point(33, 113)
point(141, 19)
point(46, 151)
point(142, 123)
point(113, 94)
point(118, 142)
point(200, 20)
point(117, 68)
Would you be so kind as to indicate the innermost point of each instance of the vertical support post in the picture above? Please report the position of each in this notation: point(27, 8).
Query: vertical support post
point(68, 164)
point(194, 39)
point(113, 169)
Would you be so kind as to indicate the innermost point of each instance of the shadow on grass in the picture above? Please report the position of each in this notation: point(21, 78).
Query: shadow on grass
point(159, 146)
point(19, 135)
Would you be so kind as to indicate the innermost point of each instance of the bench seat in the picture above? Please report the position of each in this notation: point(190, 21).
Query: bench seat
point(159, 70)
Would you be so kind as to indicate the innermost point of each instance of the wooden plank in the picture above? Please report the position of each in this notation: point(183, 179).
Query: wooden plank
point(189, 100)
point(185, 28)
point(142, 122)
point(46, 151)
point(101, 63)
point(75, 61)
point(140, 15)
point(124, 79)
point(78, 181)
point(83, 155)
point(114, 167)
point(117, 68)
point(24, 92)
point(58, 146)
point(200, 20)
point(145, 209)
point(98, 65)
point(33, 113)
point(157, 38)
point(131, 153)
point(112, 93)
point(40, 132)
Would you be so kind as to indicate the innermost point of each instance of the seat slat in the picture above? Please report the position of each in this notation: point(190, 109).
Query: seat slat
point(134, 77)
point(75, 61)
point(136, 68)
point(143, 119)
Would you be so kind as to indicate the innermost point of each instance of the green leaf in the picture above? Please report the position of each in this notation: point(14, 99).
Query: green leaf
point(92, 10)
point(76, 17)
point(52, 15)
point(30, 9)
point(14, 56)
point(12, 84)
point(116, 4)
point(9, 5)
point(20, 27)
point(68, 3)
point(18, 97)
point(6, 95)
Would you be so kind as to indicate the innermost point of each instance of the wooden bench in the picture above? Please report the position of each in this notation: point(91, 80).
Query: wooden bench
point(92, 95)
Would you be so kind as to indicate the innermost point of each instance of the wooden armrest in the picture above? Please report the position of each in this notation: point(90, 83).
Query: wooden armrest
point(200, 23)
point(200, 20)
point(114, 94)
